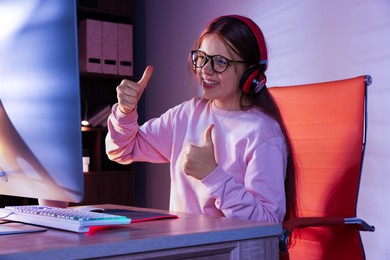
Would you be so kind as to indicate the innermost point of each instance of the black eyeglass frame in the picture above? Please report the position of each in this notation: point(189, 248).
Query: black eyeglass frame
point(211, 57)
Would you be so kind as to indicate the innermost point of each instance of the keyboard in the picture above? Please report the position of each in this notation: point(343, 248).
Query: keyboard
point(60, 218)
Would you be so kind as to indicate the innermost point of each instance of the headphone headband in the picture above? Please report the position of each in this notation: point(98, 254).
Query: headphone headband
point(258, 35)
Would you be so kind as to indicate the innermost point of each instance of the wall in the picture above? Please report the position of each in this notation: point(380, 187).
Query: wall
point(309, 41)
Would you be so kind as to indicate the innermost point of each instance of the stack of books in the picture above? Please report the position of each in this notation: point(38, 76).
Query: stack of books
point(99, 118)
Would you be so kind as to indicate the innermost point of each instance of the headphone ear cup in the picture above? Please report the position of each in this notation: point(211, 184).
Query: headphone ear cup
point(261, 83)
point(253, 80)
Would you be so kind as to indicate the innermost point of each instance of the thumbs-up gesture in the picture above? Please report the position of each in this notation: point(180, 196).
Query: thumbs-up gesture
point(199, 161)
point(129, 92)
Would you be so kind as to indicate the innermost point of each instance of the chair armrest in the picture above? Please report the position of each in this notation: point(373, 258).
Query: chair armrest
point(291, 224)
point(360, 224)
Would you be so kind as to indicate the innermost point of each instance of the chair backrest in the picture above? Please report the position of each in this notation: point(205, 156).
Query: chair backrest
point(326, 124)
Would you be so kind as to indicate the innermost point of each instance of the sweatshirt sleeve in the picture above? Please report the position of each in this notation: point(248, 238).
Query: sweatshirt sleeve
point(262, 196)
point(127, 142)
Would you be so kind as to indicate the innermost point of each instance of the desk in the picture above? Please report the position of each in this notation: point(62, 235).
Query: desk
point(189, 236)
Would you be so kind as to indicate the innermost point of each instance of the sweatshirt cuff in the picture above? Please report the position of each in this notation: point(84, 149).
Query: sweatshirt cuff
point(122, 117)
point(216, 178)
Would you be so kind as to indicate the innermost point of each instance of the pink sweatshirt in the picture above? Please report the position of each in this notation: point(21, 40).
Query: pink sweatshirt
point(248, 182)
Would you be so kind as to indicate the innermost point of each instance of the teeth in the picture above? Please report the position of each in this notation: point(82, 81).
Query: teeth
point(208, 82)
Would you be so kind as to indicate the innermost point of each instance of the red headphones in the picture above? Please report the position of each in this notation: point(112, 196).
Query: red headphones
point(254, 79)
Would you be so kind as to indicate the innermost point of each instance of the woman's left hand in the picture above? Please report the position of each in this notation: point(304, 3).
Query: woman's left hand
point(199, 161)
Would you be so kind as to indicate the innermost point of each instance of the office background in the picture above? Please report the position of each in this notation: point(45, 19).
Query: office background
point(308, 41)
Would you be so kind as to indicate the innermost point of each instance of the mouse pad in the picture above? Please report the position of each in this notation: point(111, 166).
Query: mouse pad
point(139, 216)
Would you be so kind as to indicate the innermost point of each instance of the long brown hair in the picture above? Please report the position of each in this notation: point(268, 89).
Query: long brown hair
point(240, 39)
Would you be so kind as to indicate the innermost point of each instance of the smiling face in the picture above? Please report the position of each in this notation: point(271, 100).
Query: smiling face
point(223, 87)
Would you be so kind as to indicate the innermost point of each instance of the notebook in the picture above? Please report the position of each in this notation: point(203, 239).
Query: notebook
point(140, 216)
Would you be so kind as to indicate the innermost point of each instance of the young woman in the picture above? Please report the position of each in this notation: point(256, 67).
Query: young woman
point(228, 150)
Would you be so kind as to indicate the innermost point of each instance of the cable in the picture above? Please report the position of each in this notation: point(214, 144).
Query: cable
point(6, 216)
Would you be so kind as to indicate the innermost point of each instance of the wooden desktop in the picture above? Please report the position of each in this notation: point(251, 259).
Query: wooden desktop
point(189, 236)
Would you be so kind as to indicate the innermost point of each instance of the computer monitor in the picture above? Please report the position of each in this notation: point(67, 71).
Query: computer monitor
point(40, 135)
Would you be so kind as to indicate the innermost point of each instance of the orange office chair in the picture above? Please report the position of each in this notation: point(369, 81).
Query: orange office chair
point(327, 126)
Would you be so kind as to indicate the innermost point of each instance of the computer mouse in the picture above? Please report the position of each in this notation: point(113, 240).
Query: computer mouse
point(90, 209)
point(98, 210)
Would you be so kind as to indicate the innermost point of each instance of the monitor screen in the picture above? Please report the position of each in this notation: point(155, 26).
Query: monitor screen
point(40, 135)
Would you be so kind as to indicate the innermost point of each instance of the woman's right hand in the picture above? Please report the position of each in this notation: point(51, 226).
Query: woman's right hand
point(129, 92)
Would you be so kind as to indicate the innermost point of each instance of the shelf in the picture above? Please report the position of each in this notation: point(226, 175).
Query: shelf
point(129, 171)
point(99, 76)
point(115, 14)
point(121, 11)
point(107, 181)
point(93, 129)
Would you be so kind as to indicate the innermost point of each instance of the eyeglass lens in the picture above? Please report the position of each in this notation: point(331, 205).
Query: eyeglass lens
point(218, 62)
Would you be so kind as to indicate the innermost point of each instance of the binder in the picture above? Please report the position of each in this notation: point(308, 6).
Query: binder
point(110, 45)
point(90, 46)
point(125, 49)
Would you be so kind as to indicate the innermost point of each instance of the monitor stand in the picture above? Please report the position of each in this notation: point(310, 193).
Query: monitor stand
point(53, 203)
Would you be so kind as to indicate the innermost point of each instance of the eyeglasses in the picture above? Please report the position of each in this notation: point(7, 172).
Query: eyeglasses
point(219, 63)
